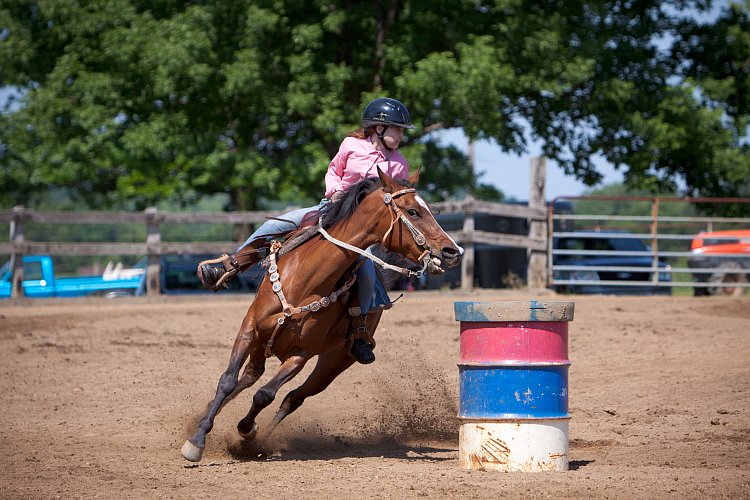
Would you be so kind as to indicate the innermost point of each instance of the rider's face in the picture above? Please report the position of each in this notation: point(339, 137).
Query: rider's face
point(393, 137)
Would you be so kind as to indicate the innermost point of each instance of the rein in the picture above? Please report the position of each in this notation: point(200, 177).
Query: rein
point(396, 214)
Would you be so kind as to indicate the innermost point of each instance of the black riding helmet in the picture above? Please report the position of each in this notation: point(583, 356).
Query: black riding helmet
point(386, 111)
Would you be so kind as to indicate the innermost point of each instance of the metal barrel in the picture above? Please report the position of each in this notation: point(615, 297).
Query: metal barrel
point(513, 385)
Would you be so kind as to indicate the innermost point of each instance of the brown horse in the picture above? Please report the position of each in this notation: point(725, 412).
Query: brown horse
point(316, 275)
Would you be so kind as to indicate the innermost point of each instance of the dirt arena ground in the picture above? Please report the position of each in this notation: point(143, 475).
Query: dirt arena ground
point(98, 396)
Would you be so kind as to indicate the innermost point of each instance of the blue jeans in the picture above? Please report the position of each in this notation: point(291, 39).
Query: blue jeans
point(273, 227)
point(367, 278)
point(371, 290)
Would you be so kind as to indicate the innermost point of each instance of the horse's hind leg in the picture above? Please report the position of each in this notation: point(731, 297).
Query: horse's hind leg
point(266, 394)
point(244, 345)
point(330, 365)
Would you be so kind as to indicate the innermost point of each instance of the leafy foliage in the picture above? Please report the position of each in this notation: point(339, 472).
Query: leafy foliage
point(134, 102)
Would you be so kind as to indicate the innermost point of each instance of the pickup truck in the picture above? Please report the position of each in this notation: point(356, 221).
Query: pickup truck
point(39, 281)
point(721, 259)
point(606, 262)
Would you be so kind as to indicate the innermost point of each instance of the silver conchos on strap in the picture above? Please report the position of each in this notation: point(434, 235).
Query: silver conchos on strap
point(314, 306)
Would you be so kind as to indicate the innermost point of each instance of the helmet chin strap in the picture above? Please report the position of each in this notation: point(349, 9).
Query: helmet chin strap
point(381, 137)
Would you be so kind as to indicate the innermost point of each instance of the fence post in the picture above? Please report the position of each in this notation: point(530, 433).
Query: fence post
point(537, 259)
point(467, 263)
point(655, 275)
point(153, 239)
point(16, 255)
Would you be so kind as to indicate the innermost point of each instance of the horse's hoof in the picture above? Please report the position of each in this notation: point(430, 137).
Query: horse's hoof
point(191, 452)
point(249, 435)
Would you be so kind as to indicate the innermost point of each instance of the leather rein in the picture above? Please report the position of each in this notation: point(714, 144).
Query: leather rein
point(396, 214)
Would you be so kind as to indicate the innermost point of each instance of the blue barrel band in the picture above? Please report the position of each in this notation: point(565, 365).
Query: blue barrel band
point(513, 391)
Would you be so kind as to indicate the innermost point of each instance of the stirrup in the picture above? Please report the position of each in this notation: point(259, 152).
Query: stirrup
point(208, 278)
point(358, 338)
point(358, 328)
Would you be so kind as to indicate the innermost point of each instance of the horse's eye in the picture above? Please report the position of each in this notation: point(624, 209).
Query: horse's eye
point(414, 214)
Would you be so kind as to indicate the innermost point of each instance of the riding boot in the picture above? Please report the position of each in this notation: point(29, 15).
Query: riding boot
point(215, 273)
point(361, 340)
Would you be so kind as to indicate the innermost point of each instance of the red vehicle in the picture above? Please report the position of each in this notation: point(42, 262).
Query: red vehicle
point(724, 257)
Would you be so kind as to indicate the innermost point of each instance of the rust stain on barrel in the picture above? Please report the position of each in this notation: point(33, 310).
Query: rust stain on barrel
point(492, 451)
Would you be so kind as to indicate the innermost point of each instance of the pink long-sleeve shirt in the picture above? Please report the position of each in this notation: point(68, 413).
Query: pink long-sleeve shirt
point(358, 159)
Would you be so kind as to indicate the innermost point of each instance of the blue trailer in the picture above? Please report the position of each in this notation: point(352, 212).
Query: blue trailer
point(39, 281)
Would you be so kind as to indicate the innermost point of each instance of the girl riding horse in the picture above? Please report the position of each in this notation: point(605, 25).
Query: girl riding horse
point(300, 312)
point(373, 146)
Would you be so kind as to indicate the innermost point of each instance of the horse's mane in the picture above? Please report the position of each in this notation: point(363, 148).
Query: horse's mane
point(337, 211)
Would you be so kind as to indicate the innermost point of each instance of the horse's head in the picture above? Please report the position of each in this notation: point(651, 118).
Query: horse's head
point(414, 232)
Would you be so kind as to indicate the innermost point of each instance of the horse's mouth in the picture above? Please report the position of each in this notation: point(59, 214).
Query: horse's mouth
point(436, 263)
point(433, 266)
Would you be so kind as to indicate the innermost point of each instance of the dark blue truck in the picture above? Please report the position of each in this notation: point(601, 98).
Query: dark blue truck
point(607, 262)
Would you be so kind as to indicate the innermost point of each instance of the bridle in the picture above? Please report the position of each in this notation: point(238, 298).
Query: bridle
point(396, 215)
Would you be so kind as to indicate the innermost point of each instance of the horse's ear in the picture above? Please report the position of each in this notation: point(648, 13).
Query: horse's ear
point(414, 178)
point(387, 181)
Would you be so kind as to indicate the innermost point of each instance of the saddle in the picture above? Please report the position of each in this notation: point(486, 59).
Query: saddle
point(215, 273)
point(296, 237)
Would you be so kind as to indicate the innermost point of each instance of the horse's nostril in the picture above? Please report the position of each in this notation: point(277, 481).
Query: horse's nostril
point(452, 256)
point(451, 252)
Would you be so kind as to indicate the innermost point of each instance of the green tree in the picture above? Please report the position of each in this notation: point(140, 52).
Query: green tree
point(128, 101)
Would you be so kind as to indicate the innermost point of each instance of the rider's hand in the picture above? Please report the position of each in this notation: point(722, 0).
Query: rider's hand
point(337, 195)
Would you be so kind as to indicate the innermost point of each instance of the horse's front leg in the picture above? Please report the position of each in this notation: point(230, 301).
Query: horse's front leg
point(254, 369)
point(245, 342)
point(266, 394)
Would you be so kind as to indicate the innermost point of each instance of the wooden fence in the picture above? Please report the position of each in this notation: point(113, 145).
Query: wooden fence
point(153, 248)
